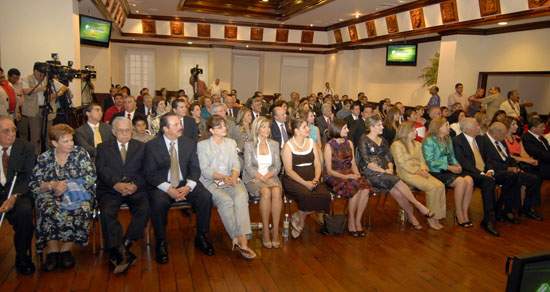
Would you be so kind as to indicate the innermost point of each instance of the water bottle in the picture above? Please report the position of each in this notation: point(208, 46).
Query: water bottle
point(256, 226)
point(286, 225)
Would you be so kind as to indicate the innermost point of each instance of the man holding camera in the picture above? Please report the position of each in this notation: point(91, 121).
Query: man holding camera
point(36, 105)
point(87, 89)
point(200, 87)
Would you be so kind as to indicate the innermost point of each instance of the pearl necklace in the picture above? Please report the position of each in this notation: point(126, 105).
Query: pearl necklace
point(303, 144)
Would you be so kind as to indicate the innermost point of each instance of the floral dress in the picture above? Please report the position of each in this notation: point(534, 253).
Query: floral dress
point(341, 162)
point(55, 223)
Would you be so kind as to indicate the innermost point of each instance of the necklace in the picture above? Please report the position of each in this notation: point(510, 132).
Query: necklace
point(303, 144)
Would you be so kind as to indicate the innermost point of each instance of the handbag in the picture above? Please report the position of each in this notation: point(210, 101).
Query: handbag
point(75, 194)
point(334, 224)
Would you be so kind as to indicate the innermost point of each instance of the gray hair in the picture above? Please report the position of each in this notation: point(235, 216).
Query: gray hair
point(121, 119)
point(467, 123)
point(214, 108)
point(497, 127)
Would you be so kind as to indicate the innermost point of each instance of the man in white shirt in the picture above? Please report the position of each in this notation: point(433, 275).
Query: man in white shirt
point(232, 110)
point(147, 107)
point(512, 105)
point(327, 90)
point(458, 97)
point(279, 128)
point(129, 109)
point(215, 87)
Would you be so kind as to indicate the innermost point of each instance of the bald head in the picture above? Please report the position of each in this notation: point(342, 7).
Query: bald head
point(498, 131)
point(279, 114)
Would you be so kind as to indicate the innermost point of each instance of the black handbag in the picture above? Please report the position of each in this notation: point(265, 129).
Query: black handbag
point(334, 224)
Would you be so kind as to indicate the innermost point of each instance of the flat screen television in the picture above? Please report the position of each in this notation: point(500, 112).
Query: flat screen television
point(95, 31)
point(530, 272)
point(401, 55)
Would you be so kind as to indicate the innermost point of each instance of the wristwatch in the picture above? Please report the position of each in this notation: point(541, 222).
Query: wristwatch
point(16, 196)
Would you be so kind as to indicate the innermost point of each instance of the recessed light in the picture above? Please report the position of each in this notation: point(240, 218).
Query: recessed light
point(503, 23)
point(265, 0)
point(357, 14)
point(134, 4)
point(311, 24)
point(247, 45)
point(300, 49)
point(391, 40)
point(137, 11)
point(341, 19)
point(189, 43)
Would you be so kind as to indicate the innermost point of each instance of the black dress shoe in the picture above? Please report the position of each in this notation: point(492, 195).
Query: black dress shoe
point(161, 252)
point(24, 265)
point(132, 258)
point(202, 243)
point(510, 218)
point(529, 214)
point(66, 259)
point(490, 227)
point(52, 261)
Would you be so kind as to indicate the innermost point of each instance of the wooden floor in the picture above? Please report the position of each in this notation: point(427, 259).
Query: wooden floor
point(391, 258)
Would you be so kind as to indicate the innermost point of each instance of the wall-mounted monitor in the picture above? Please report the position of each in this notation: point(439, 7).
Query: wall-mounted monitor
point(401, 55)
point(529, 272)
point(95, 31)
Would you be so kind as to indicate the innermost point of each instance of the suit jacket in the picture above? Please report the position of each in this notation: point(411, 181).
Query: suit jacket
point(464, 154)
point(276, 132)
point(261, 115)
point(141, 110)
point(407, 164)
point(537, 150)
point(157, 160)
point(22, 158)
point(251, 160)
point(357, 130)
point(121, 114)
point(236, 110)
point(190, 129)
point(349, 120)
point(111, 169)
point(108, 103)
point(84, 136)
point(321, 123)
point(492, 157)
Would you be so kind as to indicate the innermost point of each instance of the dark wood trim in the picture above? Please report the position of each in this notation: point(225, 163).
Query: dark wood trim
point(214, 40)
point(482, 81)
point(484, 76)
point(383, 45)
point(386, 12)
point(225, 22)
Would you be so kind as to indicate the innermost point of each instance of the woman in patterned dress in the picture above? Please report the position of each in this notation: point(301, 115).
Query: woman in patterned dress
point(159, 108)
point(56, 225)
point(343, 175)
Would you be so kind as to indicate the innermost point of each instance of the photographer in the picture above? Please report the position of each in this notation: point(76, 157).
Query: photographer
point(36, 105)
point(200, 89)
point(87, 89)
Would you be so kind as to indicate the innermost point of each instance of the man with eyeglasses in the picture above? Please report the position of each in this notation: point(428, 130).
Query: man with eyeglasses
point(17, 155)
point(119, 167)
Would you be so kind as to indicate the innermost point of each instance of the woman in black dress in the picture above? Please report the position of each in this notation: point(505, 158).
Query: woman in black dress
point(375, 163)
point(301, 159)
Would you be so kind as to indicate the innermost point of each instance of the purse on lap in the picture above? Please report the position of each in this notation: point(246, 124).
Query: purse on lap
point(75, 194)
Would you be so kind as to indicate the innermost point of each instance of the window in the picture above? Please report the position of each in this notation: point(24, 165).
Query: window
point(294, 76)
point(188, 60)
point(140, 70)
point(246, 75)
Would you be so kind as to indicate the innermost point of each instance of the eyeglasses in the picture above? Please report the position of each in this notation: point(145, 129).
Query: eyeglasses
point(9, 131)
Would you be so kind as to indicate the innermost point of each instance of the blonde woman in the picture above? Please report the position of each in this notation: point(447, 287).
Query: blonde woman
point(262, 163)
point(412, 169)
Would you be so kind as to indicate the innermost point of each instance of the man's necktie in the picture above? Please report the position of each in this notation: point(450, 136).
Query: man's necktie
point(174, 166)
point(328, 123)
point(480, 165)
point(5, 159)
point(130, 116)
point(540, 139)
point(284, 133)
point(229, 112)
point(97, 136)
point(123, 152)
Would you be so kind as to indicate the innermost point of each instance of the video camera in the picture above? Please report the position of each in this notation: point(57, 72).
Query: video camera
point(64, 73)
point(196, 70)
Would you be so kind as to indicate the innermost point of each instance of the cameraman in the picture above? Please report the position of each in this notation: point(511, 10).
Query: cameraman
point(34, 105)
point(87, 89)
point(201, 85)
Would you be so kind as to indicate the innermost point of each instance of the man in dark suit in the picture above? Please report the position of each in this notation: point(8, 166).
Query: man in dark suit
point(172, 167)
point(109, 101)
point(119, 167)
point(355, 110)
point(147, 107)
point(129, 110)
point(358, 128)
point(93, 132)
point(190, 129)
point(256, 107)
point(232, 110)
point(466, 148)
point(506, 173)
point(21, 157)
point(323, 121)
point(278, 125)
point(537, 146)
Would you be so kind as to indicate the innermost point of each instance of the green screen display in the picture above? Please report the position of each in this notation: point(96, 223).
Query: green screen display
point(401, 55)
point(94, 30)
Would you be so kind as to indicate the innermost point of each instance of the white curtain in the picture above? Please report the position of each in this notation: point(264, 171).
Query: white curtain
point(140, 70)
point(294, 76)
point(246, 75)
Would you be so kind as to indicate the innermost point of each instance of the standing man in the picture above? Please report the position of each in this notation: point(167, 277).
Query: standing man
point(35, 104)
point(492, 101)
point(469, 157)
point(172, 167)
point(189, 127)
point(8, 97)
point(200, 89)
point(215, 88)
point(87, 89)
point(327, 90)
point(279, 127)
point(457, 97)
point(19, 155)
point(120, 163)
point(435, 100)
point(93, 132)
point(512, 105)
point(14, 78)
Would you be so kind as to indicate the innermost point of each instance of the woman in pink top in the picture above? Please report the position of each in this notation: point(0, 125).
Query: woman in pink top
point(411, 115)
point(514, 143)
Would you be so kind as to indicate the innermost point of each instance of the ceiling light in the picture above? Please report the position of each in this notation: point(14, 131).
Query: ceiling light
point(189, 43)
point(357, 14)
point(134, 4)
point(300, 49)
point(247, 45)
point(341, 19)
point(503, 23)
point(311, 24)
point(137, 11)
point(265, 0)
point(391, 40)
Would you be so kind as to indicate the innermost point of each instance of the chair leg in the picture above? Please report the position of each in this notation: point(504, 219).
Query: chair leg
point(93, 236)
point(147, 234)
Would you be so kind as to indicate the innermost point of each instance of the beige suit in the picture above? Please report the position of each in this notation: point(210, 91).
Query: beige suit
point(407, 164)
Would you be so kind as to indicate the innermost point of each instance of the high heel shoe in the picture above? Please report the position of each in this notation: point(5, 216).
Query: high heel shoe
point(353, 233)
point(429, 214)
point(417, 227)
point(465, 224)
point(247, 253)
point(267, 244)
point(275, 244)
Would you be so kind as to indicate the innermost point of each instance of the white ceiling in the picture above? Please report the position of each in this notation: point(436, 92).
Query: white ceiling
point(328, 14)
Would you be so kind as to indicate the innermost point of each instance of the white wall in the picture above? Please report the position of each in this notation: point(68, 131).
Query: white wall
point(100, 58)
point(44, 27)
point(464, 56)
